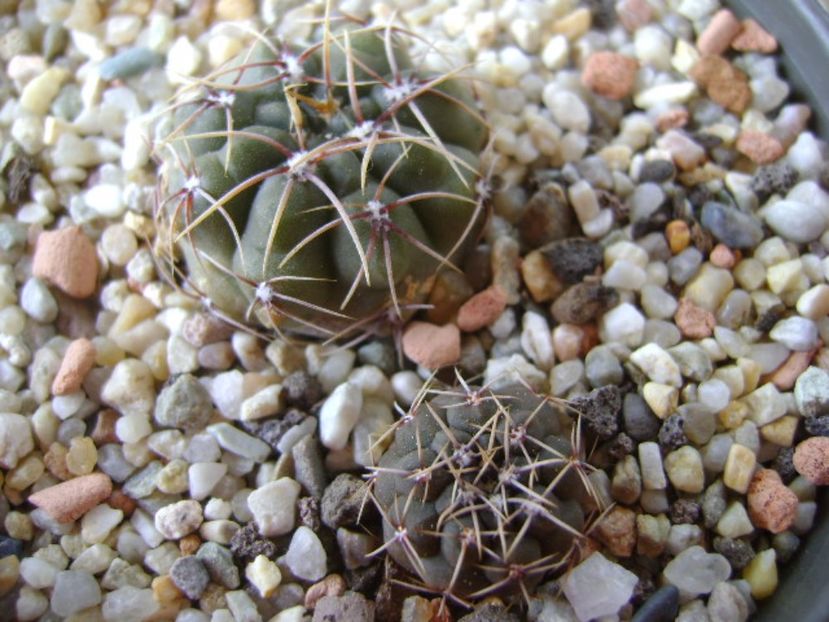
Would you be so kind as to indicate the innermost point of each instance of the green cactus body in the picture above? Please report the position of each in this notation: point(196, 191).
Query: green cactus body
point(317, 189)
point(483, 493)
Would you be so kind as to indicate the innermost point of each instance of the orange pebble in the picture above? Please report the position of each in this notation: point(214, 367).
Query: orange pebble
point(679, 235)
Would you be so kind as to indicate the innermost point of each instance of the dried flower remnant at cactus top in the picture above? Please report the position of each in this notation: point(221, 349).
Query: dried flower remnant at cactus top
point(320, 190)
point(484, 493)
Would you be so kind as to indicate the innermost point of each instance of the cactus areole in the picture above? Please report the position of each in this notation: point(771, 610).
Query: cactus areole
point(321, 190)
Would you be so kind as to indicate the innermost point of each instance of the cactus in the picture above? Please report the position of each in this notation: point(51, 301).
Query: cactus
point(484, 493)
point(318, 190)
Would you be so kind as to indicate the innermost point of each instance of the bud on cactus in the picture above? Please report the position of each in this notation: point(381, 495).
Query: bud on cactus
point(320, 189)
point(484, 493)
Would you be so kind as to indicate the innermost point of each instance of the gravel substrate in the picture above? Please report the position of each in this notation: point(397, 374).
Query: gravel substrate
point(656, 255)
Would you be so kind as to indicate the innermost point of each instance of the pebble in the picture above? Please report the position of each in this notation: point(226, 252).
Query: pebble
point(811, 459)
point(771, 505)
point(430, 345)
point(617, 530)
point(37, 301)
point(69, 500)
point(306, 556)
point(274, 506)
point(67, 259)
point(724, 84)
point(179, 519)
point(342, 501)
point(657, 364)
point(684, 469)
point(726, 602)
point(694, 571)
point(15, 439)
point(74, 591)
point(796, 333)
point(651, 466)
point(579, 587)
point(661, 606)
point(264, 575)
point(610, 74)
point(129, 62)
point(732, 227)
point(719, 33)
point(754, 38)
point(482, 309)
point(190, 576)
point(339, 414)
point(241, 443)
point(344, 608)
point(129, 604)
point(761, 574)
point(183, 404)
point(219, 563)
point(811, 392)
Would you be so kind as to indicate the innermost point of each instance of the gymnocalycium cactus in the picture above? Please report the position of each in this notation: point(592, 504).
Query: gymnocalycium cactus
point(320, 190)
point(484, 492)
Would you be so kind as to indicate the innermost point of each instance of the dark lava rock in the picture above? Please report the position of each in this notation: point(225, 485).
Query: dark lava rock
point(685, 512)
point(309, 512)
point(622, 445)
point(738, 552)
point(784, 464)
point(10, 546)
point(583, 303)
point(672, 435)
point(817, 426)
point(272, 430)
point(574, 258)
point(247, 543)
point(600, 409)
point(301, 390)
point(342, 501)
point(773, 179)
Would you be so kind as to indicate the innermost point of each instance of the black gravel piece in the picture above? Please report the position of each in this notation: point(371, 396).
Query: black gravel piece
point(247, 543)
point(657, 171)
point(622, 445)
point(685, 512)
point(784, 465)
point(817, 426)
point(671, 435)
point(574, 258)
point(773, 179)
point(10, 546)
point(600, 409)
point(272, 430)
point(738, 552)
point(301, 390)
point(662, 606)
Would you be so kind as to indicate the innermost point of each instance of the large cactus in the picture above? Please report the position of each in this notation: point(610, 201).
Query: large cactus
point(484, 493)
point(318, 189)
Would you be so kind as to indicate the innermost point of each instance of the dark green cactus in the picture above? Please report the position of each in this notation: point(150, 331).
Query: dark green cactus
point(484, 493)
point(322, 188)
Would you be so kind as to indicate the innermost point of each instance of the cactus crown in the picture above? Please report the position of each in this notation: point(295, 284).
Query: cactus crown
point(321, 189)
point(484, 493)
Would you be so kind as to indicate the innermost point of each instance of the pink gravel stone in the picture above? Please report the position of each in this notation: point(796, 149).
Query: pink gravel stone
point(610, 74)
point(811, 459)
point(694, 322)
point(482, 309)
point(72, 499)
point(771, 504)
point(67, 259)
point(754, 38)
point(720, 32)
point(76, 363)
point(787, 374)
point(432, 346)
point(760, 147)
point(722, 257)
point(633, 14)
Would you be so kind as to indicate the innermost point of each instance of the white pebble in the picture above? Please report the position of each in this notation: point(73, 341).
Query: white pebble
point(567, 108)
point(796, 333)
point(203, 477)
point(650, 464)
point(796, 221)
point(339, 414)
point(657, 364)
point(37, 301)
point(119, 244)
point(306, 556)
point(537, 340)
point(622, 324)
point(406, 385)
point(273, 506)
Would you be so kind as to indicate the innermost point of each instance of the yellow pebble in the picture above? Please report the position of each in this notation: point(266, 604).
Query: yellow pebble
point(662, 398)
point(264, 575)
point(761, 574)
point(739, 468)
point(679, 236)
point(9, 572)
point(26, 473)
point(751, 374)
point(82, 456)
point(19, 525)
point(733, 415)
point(781, 432)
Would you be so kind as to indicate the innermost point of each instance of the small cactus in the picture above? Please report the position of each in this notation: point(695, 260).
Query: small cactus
point(484, 493)
point(320, 189)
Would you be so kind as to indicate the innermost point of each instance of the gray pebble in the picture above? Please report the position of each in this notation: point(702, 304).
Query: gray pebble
point(684, 265)
point(713, 503)
point(346, 608)
point(309, 469)
point(601, 367)
point(657, 171)
point(342, 500)
point(184, 404)
point(727, 603)
point(574, 258)
point(142, 484)
point(639, 421)
point(662, 606)
point(190, 576)
point(129, 63)
point(811, 392)
point(219, 563)
point(732, 227)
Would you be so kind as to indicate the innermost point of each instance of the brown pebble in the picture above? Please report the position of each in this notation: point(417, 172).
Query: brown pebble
point(760, 147)
point(771, 504)
point(754, 38)
point(567, 340)
point(72, 499)
point(202, 329)
point(787, 374)
point(583, 303)
point(633, 14)
point(719, 33)
point(539, 279)
point(332, 585)
point(55, 461)
point(725, 84)
point(432, 346)
point(678, 234)
point(76, 363)
point(617, 531)
point(610, 74)
point(694, 322)
point(672, 119)
point(722, 257)
point(811, 459)
point(104, 430)
point(482, 309)
point(67, 259)
point(121, 501)
point(189, 544)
